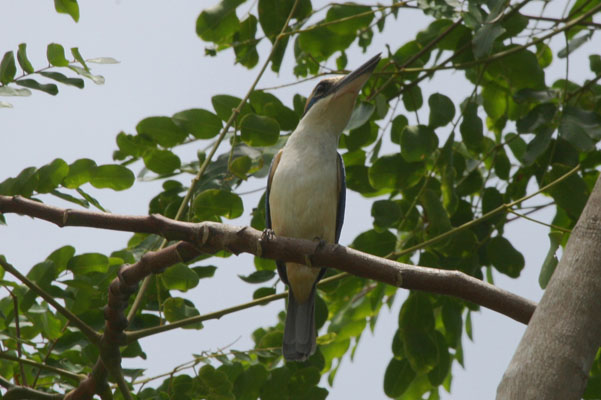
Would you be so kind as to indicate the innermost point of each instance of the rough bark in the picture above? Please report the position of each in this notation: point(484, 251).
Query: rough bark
point(556, 353)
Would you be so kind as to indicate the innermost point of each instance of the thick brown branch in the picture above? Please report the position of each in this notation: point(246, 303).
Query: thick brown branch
point(210, 237)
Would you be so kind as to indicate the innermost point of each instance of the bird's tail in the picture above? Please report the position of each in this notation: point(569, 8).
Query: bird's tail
point(299, 331)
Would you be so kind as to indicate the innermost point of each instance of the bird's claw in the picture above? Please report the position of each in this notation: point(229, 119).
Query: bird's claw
point(320, 245)
point(267, 234)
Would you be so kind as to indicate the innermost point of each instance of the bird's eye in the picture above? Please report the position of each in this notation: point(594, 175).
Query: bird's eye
point(321, 87)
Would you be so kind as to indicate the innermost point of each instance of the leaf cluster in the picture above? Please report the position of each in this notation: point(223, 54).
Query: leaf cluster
point(438, 167)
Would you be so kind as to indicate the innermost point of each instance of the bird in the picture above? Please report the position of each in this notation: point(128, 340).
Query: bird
point(306, 195)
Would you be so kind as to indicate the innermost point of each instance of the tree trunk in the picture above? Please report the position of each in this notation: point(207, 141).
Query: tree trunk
point(555, 354)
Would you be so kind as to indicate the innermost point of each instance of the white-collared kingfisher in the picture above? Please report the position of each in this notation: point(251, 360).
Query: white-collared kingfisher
point(305, 196)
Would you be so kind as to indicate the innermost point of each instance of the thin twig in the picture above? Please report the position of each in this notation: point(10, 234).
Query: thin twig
point(18, 331)
point(557, 228)
point(46, 367)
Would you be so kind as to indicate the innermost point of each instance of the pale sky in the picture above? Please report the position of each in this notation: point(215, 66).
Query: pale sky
point(163, 70)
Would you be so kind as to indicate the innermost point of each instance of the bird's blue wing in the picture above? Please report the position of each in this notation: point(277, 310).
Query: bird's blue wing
point(341, 197)
point(272, 168)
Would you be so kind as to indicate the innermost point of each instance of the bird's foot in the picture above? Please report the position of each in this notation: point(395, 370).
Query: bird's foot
point(267, 234)
point(320, 245)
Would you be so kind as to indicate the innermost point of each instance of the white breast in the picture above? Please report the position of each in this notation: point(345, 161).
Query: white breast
point(304, 190)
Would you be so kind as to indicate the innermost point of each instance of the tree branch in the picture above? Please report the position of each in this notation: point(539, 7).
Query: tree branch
point(211, 237)
point(556, 353)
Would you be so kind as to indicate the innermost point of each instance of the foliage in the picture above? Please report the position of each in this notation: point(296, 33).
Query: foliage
point(516, 132)
point(55, 53)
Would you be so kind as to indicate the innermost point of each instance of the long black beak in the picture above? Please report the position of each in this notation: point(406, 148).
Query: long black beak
point(363, 72)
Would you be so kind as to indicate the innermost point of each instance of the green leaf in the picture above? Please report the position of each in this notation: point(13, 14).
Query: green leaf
point(485, 37)
point(8, 69)
point(361, 136)
point(521, 70)
point(393, 172)
point(268, 105)
point(398, 124)
point(51, 175)
point(240, 166)
point(417, 313)
point(214, 203)
point(312, 42)
point(574, 44)
point(218, 23)
point(49, 326)
point(385, 213)
point(176, 308)
point(437, 375)
point(502, 165)
point(494, 101)
point(537, 146)
point(258, 276)
point(442, 110)
point(551, 260)
point(80, 172)
point(412, 98)
point(435, 212)
point(544, 55)
point(274, 13)
point(418, 142)
point(201, 123)
point(420, 349)
point(56, 55)
point(579, 127)
point(249, 383)
point(537, 96)
point(595, 63)
point(205, 272)
point(516, 144)
point(376, 243)
point(49, 88)
point(471, 127)
point(67, 7)
point(89, 262)
point(60, 257)
point(179, 277)
point(361, 114)
point(57, 76)
point(246, 51)
point(24, 184)
point(504, 257)
point(257, 130)
point(262, 292)
point(453, 322)
point(398, 377)
point(571, 194)
point(112, 176)
point(161, 161)
point(351, 17)
point(103, 60)
point(77, 55)
point(225, 104)
point(97, 79)
point(11, 91)
point(23, 60)
point(162, 130)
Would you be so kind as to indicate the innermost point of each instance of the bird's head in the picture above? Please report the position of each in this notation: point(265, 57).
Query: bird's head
point(331, 103)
